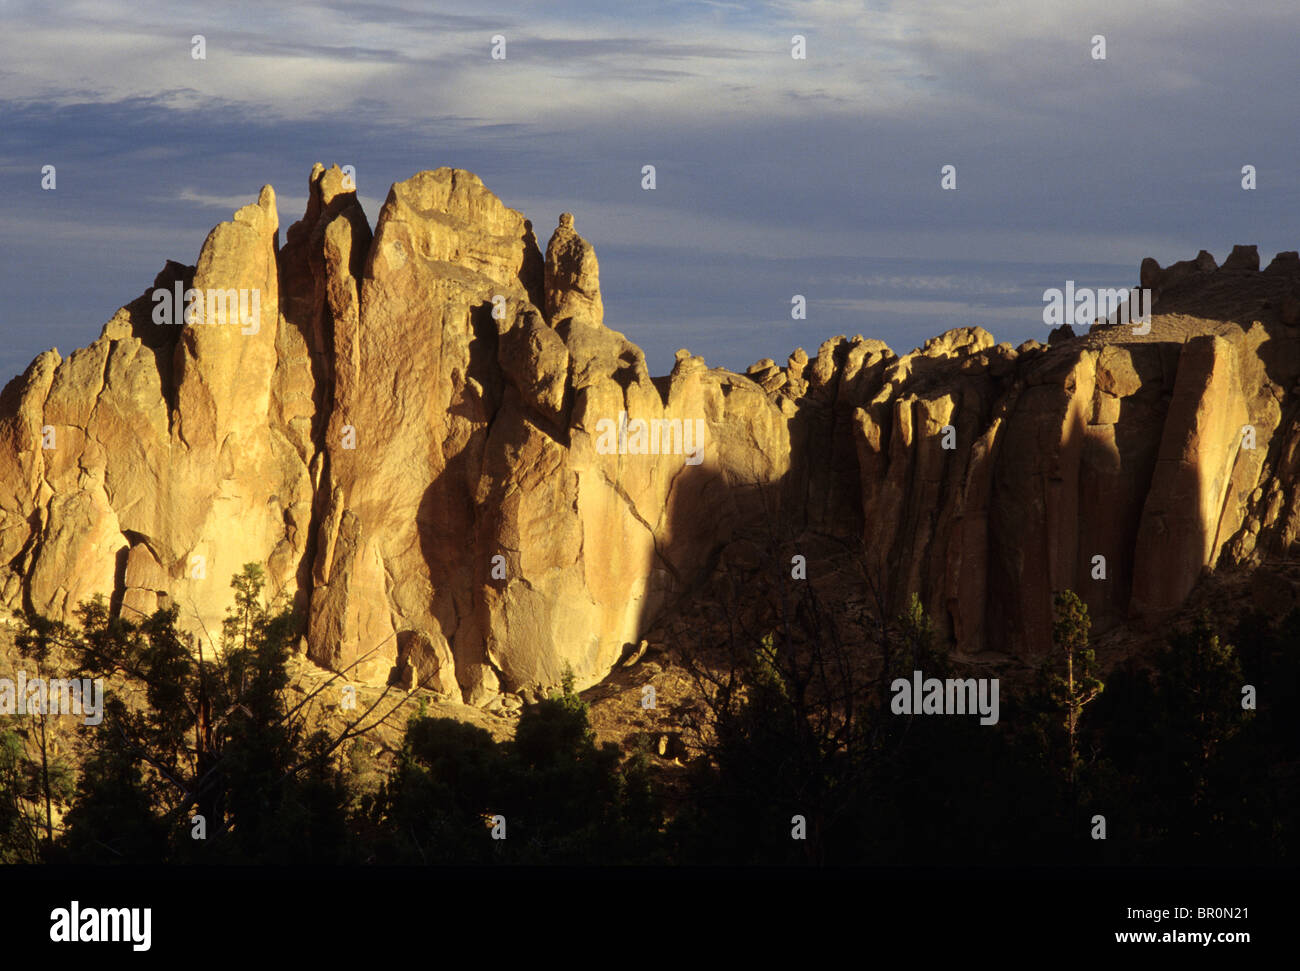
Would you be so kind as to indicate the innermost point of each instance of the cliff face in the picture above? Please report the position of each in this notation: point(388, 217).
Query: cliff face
point(465, 479)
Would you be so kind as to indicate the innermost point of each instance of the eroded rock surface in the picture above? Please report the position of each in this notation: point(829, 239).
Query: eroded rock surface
point(462, 477)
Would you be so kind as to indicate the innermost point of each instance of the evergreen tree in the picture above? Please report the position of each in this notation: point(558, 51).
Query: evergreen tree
point(1079, 687)
point(215, 746)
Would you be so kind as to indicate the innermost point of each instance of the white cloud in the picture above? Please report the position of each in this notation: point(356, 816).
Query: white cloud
point(925, 58)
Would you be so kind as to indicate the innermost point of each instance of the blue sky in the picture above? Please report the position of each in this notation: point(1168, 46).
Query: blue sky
point(774, 176)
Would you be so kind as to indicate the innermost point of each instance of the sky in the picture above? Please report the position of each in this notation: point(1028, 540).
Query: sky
point(775, 176)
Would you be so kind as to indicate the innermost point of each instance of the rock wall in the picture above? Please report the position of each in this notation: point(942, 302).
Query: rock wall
point(435, 446)
point(1165, 454)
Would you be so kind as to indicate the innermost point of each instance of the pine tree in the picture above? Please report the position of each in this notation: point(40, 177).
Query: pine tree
point(1200, 699)
point(1079, 687)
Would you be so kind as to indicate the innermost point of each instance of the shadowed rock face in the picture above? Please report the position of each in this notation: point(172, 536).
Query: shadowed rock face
point(463, 478)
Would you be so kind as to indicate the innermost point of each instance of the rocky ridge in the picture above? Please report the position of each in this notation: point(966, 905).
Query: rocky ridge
point(414, 442)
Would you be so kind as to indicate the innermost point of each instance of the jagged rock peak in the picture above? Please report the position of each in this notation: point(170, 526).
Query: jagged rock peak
point(466, 481)
point(572, 276)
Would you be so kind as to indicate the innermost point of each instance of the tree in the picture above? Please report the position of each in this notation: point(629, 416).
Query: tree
point(31, 786)
point(565, 798)
point(216, 738)
point(1199, 689)
point(42, 774)
point(574, 800)
point(1080, 686)
point(789, 724)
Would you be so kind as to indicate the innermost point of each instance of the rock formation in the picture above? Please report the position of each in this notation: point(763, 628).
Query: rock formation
point(462, 478)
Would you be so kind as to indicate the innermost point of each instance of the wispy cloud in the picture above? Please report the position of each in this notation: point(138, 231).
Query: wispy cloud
point(775, 175)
